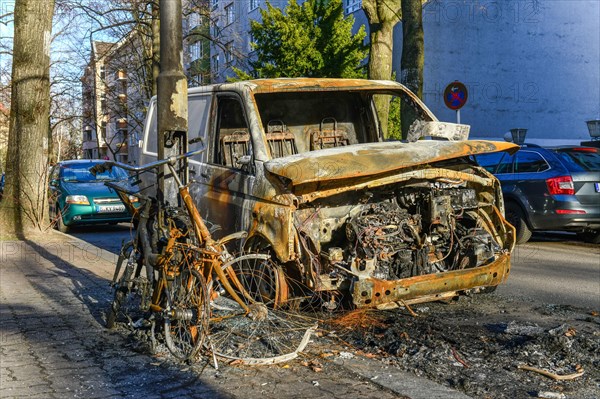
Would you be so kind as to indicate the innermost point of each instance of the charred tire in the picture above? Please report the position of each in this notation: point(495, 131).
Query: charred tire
point(515, 216)
point(121, 287)
point(591, 236)
point(111, 317)
point(265, 332)
point(186, 325)
point(127, 301)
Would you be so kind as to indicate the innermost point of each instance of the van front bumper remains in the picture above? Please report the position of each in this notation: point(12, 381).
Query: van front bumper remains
point(373, 292)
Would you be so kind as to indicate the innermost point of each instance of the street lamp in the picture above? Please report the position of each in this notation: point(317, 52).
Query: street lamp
point(518, 135)
point(594, 129)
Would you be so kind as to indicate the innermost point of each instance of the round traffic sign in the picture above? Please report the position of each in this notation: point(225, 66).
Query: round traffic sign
point(455, 95)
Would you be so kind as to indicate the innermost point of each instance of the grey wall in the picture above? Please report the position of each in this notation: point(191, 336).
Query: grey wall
point(532, 64)
point(527, 63)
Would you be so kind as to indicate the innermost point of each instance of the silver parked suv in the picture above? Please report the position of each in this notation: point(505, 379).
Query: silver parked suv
point(550, 189)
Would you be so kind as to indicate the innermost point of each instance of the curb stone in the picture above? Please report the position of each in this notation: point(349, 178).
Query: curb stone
point(398, 381)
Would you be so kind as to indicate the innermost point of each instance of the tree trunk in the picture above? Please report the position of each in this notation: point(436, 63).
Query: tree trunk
point(24, 207)
point(413, 55)
point(382, 15)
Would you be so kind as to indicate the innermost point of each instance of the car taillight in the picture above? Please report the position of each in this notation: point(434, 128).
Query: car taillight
point(585, 149)
point(570, 211)
point(560, 185)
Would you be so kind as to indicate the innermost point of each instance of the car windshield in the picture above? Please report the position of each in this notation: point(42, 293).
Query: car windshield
point(80, 172)
point(581, 160)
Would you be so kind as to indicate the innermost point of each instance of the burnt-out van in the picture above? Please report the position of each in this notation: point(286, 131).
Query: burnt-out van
point(302, 166)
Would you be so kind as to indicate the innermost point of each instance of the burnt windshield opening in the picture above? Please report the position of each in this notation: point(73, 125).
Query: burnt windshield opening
point(297, 122)
point(307, 121)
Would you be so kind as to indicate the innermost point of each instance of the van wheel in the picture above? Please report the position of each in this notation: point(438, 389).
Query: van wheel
point(515, 216)
point(591, 236)
point(60, 225)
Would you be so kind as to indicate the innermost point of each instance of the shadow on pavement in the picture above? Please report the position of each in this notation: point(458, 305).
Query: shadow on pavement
point(52, 311)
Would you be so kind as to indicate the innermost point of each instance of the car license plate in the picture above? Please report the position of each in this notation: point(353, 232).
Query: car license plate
point(111, 208)
point(597, 187)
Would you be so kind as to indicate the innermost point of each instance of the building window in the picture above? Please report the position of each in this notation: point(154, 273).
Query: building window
point(215, 63)
point(229, 14)
point(216, 30)
point(215, 3)
point(253, 5)
point(102, 72)
point(196, 51)
point(351, 6)
point(193, 20)
point(103, 130)
point(103, 105)
point(228, 53)
point(196, 80)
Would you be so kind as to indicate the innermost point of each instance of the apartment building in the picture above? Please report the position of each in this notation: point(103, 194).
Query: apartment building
point(196, 46)
point(115, 93)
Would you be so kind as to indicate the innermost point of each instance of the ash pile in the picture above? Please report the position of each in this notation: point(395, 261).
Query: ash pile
point(498, 349)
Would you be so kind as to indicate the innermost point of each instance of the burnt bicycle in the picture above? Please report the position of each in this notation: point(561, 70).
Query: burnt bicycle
point(207, 292)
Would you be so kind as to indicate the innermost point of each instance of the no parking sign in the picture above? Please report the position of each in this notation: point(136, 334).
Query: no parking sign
point(455, 97)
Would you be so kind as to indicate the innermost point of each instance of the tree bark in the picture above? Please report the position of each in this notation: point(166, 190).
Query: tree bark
point(413, 55)
point(382, 15)
point(24, 207)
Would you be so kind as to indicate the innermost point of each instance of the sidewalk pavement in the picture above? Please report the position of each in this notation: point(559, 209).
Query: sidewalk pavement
point(53, 343)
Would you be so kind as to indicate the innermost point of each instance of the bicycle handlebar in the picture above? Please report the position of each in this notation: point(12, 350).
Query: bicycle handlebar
point(101, 167)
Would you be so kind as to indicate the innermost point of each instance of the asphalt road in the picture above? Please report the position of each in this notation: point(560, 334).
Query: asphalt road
point(106, 237)
point(555, 269)
point(552, 268)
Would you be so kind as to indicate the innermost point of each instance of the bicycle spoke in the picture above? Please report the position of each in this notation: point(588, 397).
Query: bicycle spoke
point(269, 333)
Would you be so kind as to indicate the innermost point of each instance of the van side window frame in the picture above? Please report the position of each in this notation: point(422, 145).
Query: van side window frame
point(152, 124)
point(236, 140)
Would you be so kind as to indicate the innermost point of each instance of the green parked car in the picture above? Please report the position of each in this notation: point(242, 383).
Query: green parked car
point(77, 197)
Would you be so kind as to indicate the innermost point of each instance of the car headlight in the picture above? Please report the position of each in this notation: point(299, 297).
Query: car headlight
point(77, 199)
point(133, 198)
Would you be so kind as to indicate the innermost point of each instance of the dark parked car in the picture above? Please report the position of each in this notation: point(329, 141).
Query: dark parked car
point(550, 189)
point(78, 197)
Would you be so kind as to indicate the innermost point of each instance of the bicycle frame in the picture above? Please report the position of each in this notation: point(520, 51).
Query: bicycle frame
point(200, 229)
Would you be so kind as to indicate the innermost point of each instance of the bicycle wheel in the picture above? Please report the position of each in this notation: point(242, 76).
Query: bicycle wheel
point(269, 333)
point(186, 319)
point(130, 288)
